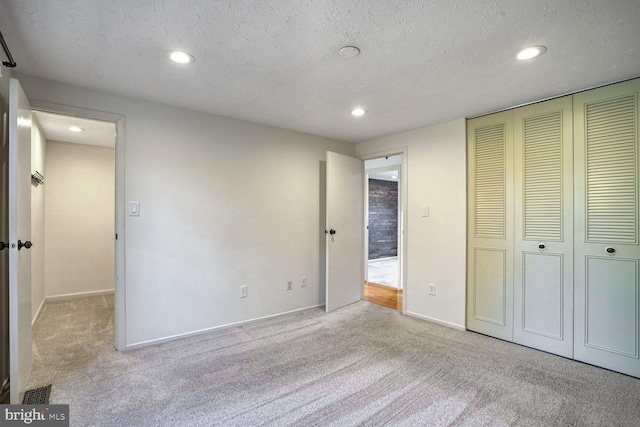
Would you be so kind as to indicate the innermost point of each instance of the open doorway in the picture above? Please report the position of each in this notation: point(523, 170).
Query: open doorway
point(27, 143)
point(383, 284)
point(74, 276)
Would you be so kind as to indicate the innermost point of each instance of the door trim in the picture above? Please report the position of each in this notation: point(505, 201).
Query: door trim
point(403, 216)
point(119, 226)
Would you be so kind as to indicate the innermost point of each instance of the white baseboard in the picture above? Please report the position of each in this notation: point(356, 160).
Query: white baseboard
point(204, 331)
point(64, 297)
point(439, 322)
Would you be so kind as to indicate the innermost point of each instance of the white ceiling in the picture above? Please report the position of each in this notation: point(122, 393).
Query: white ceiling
point(56, 128)
point(276, 62)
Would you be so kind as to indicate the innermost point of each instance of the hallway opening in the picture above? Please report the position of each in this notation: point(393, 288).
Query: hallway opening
point(383, 216)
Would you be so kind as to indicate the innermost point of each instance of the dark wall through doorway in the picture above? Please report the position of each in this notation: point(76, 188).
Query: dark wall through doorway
point(383, 218)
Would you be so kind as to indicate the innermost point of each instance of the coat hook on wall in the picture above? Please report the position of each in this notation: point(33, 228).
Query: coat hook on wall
point(37, 178)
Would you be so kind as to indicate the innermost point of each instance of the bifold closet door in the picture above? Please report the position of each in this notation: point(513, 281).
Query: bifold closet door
point(543, 252)
point(490, 225)
point(607, 255)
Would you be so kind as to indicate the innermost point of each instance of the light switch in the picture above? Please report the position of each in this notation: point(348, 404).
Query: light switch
point(425, 210)
point(134, 208)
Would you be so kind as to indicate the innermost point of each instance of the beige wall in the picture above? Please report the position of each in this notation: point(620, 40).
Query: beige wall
point(79, 223)
point(436, 245)
point(38, 154)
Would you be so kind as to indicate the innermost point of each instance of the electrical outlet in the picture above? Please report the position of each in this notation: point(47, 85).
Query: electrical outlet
point(303, 282)
point(289, 285)
point(243, 291)
point(432, 289)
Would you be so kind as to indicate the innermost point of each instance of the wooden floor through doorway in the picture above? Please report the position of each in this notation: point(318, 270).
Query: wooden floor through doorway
point(383, 295)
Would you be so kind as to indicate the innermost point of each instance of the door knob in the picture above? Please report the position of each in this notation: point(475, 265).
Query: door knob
point(26, 244)
point(610, 250)
point(3, 245)
point(332, 231)
point(541, 246)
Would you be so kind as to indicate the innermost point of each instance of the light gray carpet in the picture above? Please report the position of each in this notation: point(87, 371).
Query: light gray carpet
point(384, 271)
point(362, 365)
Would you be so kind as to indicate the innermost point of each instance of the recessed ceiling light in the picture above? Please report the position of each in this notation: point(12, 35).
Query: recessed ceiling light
point(349, 51)
point(181, 57)
point(76, 129)
point(530, 52)
point(358, 112)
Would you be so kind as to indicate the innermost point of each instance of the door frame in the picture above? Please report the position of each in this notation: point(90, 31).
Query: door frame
point(119, 226)
point(402, 227)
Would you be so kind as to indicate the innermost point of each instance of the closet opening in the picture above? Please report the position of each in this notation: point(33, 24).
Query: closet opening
point(76, 218)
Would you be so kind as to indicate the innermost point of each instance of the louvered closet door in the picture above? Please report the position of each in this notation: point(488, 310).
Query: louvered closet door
point(490, 225)
point(543, 257)
point(607, 255)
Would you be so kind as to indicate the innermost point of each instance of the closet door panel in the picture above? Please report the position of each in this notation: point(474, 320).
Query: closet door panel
point(607, 251)
point(490, 302)
point(611, 313)
point(490, 225)
point(543, 267)
point(543, 294)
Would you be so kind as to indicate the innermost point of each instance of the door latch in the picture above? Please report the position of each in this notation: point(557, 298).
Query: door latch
point(26, 244)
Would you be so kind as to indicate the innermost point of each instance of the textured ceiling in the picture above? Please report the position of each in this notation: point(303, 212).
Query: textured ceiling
point(276, 62)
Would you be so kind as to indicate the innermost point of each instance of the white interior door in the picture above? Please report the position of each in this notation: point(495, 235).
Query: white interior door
point(607, 249)
point(4, 250)
point(490, 225)
point(19, 234)
point(543, 260)
point(344, 231)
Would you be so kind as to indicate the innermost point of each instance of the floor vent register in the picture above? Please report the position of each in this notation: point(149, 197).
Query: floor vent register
point(37, 396)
